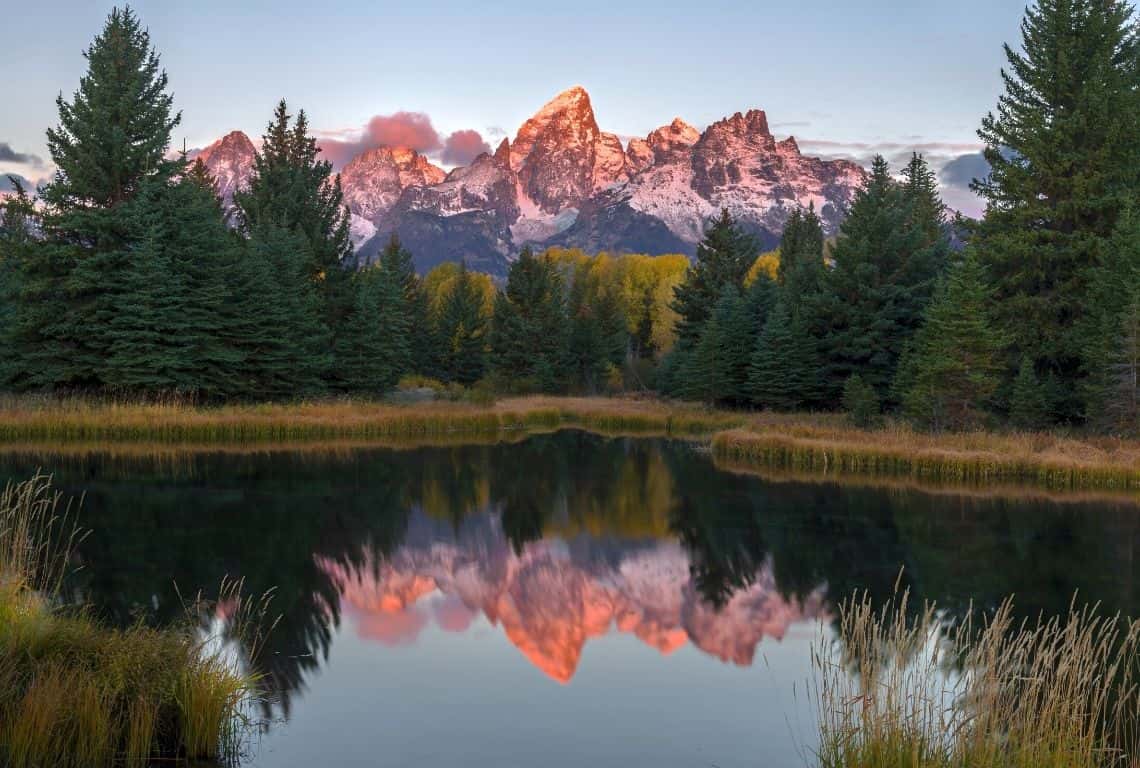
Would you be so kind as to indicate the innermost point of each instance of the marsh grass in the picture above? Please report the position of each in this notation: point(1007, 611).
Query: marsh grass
point(76, 693)
point(900, 691)
point(819, 444)
point(26, 419)
point(966, 459)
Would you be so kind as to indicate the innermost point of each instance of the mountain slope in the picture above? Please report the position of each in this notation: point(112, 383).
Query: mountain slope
point(564, 181)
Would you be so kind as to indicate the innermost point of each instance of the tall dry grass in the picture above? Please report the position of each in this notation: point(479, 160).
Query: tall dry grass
point(76, 693)
point(24, 419)
point(974, 458)
point(903, 692)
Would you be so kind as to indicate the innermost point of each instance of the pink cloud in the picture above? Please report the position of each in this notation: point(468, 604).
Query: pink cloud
point(452, 615)
point(411, 130)
point(461, 147)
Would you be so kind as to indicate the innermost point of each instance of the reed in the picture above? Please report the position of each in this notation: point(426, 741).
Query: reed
point(77, 693)
point(24, 419)
point(903, 692)
point(970, 459)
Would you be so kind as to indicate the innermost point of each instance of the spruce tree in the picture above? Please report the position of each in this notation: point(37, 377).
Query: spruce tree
point(1028, 400)
point(292, 192)
point(375, 355)
point(801, 255)
point(888, 256)
point(784, 366)
point(17, 219)
point(284, 343)
point(111, 140)
point(724, 257)
point(398, 263)
point(528, 328)
point(1064, 153)
point(950, 372)
point(463, 331)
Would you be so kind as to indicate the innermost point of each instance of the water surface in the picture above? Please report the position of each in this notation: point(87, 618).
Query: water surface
point(567, 600)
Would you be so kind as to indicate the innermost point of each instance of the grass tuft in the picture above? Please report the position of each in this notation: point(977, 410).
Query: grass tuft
point(80, 694)
point(903, 692)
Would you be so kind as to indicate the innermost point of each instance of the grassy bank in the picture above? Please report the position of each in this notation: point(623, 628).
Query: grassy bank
point(48, 419)
point(80, 694)
point(971, 459)
point(807, 444)
point(900, 692)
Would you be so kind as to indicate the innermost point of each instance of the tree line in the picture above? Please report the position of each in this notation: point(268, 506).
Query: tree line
point(127, 275)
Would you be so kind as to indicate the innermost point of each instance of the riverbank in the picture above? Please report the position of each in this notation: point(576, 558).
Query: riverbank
point(820, 445)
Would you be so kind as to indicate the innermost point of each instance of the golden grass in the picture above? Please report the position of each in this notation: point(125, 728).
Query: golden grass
point(75, 419)
point(816, 444)
point(898, 692)
point(972, 459)
point(76, 693)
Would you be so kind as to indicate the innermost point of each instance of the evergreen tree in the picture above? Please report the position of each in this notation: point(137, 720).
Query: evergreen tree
point(375, 355)
point(950, 372)
point(644, 345)
point(1120, 409)
point(1114, 288)
point(1064, 153)
point(111, 140)
point(398, 263)
point(528, 328)
point(17, 217)
point(724, 257)
point(801, 255)
point(292, 190)
point(890, 251)
point(175, 329)
point(717, 370)
point(284, 344)
point(463, 331)
point(784, 367)
point(1028, 401)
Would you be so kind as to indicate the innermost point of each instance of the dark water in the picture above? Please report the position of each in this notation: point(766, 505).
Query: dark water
point(569, 600)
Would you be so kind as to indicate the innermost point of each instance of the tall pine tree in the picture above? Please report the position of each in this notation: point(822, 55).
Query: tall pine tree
point(1064, 153)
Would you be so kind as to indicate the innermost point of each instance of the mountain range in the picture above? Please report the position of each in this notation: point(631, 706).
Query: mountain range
point(563, 181)
point(552, 596)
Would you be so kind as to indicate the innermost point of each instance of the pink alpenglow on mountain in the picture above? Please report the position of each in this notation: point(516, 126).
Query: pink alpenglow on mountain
point(563, 181)
point(549, 605)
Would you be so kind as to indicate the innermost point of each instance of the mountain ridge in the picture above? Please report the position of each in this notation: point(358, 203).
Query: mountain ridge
point(564, 181)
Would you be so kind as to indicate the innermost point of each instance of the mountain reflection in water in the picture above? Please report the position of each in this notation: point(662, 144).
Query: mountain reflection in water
point(553, 542)
point(555, 595)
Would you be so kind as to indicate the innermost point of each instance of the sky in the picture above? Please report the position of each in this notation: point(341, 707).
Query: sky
point(846, 77)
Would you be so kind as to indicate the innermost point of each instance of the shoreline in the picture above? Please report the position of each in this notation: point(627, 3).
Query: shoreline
point(820, 446)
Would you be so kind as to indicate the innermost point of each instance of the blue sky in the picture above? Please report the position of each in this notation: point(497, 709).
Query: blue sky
point(851, 76)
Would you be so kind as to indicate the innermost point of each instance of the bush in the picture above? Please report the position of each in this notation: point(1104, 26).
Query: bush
point(861, 402)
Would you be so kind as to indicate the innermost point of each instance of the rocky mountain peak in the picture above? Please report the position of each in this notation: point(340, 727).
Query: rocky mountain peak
point(230, 161)
point(561, 156)
point(374, 179)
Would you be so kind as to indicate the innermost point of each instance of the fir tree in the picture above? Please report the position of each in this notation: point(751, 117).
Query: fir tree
point(283, 341)
point(885, 267)
point(950, 372)
point(1028, 401)
point(17, 216)
point(1064, 153)
point(528, 328)
point(111, 140)
point(724, 257)
point(801, 255)
point(463, 331)
point(375, 355)
point(784, 367)
point(398, 263)
point(292, 190)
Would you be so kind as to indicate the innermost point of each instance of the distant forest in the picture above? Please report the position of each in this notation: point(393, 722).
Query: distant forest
point(124, 275)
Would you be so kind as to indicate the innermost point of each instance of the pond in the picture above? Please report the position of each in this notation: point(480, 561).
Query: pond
point(564, 600)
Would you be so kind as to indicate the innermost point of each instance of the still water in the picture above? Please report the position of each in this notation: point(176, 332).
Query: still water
point(568, 600)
